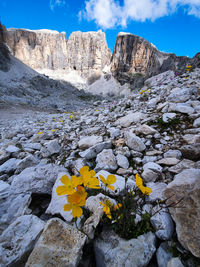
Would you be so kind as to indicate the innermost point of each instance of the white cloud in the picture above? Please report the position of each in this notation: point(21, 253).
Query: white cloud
point(109, 13)
point(54, 3)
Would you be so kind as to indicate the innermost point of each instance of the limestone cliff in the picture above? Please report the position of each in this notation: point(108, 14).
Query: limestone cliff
point(39, 49)
point(4, 52)
point(135, 59)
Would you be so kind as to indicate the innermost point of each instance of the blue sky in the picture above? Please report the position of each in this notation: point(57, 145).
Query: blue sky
point(171, 25)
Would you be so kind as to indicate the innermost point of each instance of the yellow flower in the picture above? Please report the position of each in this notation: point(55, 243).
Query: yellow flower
point(53, 119)
point(145, 190)
point(69, 185)
point(118, 206)
point(111, 179)
point(40, 133)
point(189, 66)
point(61, 120)
point(76, 201)
point(88, 178)
point(106, 207)
point(53, 130)
point(71, 117)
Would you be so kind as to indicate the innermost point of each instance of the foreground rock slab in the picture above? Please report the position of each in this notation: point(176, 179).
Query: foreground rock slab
point(111, 250)
point(17, 241)
point(59, 245)
point(186, 214)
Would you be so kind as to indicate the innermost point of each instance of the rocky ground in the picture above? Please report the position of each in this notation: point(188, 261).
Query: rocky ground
point(155, 132)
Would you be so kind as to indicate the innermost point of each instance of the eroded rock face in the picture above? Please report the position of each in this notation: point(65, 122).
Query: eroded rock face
point(39, 49)
point(134, 59)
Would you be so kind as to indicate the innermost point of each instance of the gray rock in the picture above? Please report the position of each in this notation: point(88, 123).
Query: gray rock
point(17, 241)
point(114, 132)
point(175, 262)
point(9, 166)
point(191, 152)
point(134, 142)
point(92, 152)
point(50, 148)
point(168, 161)
point(122, 161)
point(88, 141)
point(179, 95)
point(152, 166)
point(162, 223)
point(163, 254)
point(157, 191)
point(168, 116)
point(132, 117)
point(34, 146)
point(12, 149)
point(185, 190)
point(4, 156)
point(196, 123)
point(149, 175)
point(28, 161)
point(111, 250)
point(106, 161)
point(184, 164)
point(173, 154)
point(182, 108)
point(39, 179)
point(59, 245)
point(145, 129)
point(192, 138)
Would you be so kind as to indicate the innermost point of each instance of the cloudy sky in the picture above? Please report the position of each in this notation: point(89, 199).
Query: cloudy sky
point(171, 25)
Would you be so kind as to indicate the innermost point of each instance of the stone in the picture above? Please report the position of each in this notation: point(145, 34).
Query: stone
point(182, 108)
point(12, 149)
point(114, 132)
point(166, 117)
point(179, 95)
point(18, 240)
point(9, 166)
point(106, 161)
point(192, 138)
point(149, 175)
point(4, 189)
point(28, 161)
point(122, 161)
point(50, 148)
point(4, 156)
point(185, 190)
point(152, 166)
point(182, 165)
point(163, 254)
point(111, 250)
point(196, 123)
point(157, 191)
point(191, 151)
point(173, 154)
point(56, 206)
point(175, 262)
point(59, 245)
point(119, 184)
point(132, 117)
point(134, 142)
point(168, 161)
point(92, 152)
point(39, 179)
point(88, 141)
point(162, 223)
point(146, 130)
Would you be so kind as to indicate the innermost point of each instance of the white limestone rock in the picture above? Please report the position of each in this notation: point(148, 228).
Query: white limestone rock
point(92, 152)
point(132, 117)
point(88, 141)
point(134, 142)
point(122, 161)
point(106, 160)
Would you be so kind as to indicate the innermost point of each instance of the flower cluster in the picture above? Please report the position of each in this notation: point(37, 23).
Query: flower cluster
point(145, 190)
point(143, 91)
point(188, 68)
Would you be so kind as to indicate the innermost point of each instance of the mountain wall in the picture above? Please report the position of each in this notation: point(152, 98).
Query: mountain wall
point(4, 52)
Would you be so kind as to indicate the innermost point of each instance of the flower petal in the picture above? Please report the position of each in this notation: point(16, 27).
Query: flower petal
point(77, 212)
point(84, 170)
point(102, 178)
point(92, 173)
point(76, 180)
point(64, 179)
point(61, 190)
point(111, 187)
point(111, 179)
point(67, 207)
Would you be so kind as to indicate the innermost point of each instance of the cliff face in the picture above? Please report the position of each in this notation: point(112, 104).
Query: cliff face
point(87, 52)
point(40, 49)
point(4, 52)
point(135, 59)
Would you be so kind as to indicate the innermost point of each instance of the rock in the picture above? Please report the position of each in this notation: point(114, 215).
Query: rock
point(119, 184)
point(122, 161)
point(39, 179)
point(192, 138)
point(4, 156)
point(196, 123)
point(182, 108)
point(59, 245)
point(168, 161)
point(184, 164)
point(4, 189)
point(163, 254)
point(173, 154)
point(186, 214)
point(179, 95)
point(157, 191)
point(114, 132)
point(152, 166)
point(18, 240)
point(50, 148)
point(168, 116)
point(162, 223)
point(106, 161)
point(175, 262)
point(9, 166)
point(12, 149)
point(88, 141)
point(145, 129)
point(134, 142)
point(149, 175)
point(191, 152)
point(132, 117)
point(56, 206)
point(111, 250)
point(28, 161)
point(92, 152)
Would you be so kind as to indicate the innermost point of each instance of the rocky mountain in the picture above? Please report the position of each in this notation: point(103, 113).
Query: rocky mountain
point(153, 132)
point(4, 52)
